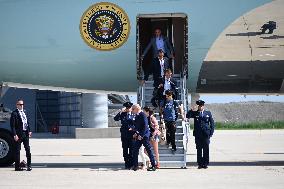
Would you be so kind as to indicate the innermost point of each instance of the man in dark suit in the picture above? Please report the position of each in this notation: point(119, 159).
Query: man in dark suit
point(127, 121)
point(142, 137)
point(165, 83)
point(21, 131)
point(203, 130)
point(160, 64)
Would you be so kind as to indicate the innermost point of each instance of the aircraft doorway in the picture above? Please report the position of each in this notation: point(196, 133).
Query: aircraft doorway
point(175, 27)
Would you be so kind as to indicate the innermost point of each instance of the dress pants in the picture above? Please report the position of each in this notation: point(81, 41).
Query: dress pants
point(25, 140)
point(202, 146)
point(127, 148)
point(171, 133)
point(146, 143)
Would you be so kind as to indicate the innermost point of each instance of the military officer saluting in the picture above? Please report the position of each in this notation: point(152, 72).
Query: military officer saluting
point(127, 122)
point(203, 130)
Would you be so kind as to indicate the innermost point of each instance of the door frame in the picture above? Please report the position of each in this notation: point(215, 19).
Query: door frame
point(162, 16)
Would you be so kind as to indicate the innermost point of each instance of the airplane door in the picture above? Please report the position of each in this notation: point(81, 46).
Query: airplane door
point(174, 26)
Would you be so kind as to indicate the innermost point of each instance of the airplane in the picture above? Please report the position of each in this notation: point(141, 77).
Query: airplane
point(41, 44)
point(95, 47)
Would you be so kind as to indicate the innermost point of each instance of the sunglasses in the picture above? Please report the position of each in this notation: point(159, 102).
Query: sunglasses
point(20, 104)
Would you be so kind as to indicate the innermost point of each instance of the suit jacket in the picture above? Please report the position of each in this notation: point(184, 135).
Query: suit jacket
point(167, 46)
point(17, 124)
point(141, 125)
point(203, 125)
point(173, 84)
point(157, 68)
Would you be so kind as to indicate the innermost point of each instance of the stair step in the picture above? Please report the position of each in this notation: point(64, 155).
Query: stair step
point(179, 136)
point(169, 151)
point(172, 157)
point(150, 83)
point(174, 164)
point(167, 158)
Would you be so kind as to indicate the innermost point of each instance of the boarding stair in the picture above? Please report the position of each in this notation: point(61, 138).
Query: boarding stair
point(167, 158)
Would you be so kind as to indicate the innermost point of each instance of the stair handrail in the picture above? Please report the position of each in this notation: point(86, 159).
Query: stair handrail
point(141, 95)
point(185, 123)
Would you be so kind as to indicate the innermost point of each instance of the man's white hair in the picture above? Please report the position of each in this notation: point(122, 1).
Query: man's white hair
point(136, 106)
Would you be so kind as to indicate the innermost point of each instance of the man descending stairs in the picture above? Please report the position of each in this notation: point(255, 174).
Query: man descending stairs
point(168, 158)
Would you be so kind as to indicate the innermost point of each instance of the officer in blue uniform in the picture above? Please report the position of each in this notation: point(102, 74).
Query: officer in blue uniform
point(127, 121)
point(203, 130)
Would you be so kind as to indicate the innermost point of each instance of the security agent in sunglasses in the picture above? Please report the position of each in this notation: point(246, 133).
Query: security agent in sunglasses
point(20, 127)
point(203, 131)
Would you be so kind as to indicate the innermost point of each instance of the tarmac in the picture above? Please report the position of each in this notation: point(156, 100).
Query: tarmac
point(239, 159)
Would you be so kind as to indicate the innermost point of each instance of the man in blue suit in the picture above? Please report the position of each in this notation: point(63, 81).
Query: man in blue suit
point(203, 130)
point(159, 42)
point(142, 137)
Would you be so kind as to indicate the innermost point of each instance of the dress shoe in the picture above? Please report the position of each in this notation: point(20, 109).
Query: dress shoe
point(199, 167)
point(151, 169)
point(19, 169)
point(204, 166)
point(29, 169)
point(135, 168)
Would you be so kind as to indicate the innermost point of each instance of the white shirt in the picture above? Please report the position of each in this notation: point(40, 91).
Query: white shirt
point(160, 43)
point(167, 85)
point(162, 64)
point(24, 119)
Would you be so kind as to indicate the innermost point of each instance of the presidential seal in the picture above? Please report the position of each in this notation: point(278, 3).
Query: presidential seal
point(104, 26)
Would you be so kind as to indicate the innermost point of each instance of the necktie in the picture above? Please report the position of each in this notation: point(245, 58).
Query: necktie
point(23, 115)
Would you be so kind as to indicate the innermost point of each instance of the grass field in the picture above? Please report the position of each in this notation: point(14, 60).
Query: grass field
point(254, 125)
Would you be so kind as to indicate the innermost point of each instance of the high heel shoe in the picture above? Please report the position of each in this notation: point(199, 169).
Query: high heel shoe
point(158, 165)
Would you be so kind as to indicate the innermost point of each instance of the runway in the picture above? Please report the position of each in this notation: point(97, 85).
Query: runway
point(239, 159)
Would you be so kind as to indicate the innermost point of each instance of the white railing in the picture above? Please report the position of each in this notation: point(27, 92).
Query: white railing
point(141, 96)
point(185, 124)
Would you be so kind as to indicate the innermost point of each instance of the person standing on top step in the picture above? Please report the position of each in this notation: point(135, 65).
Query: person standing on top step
point(159, 42)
